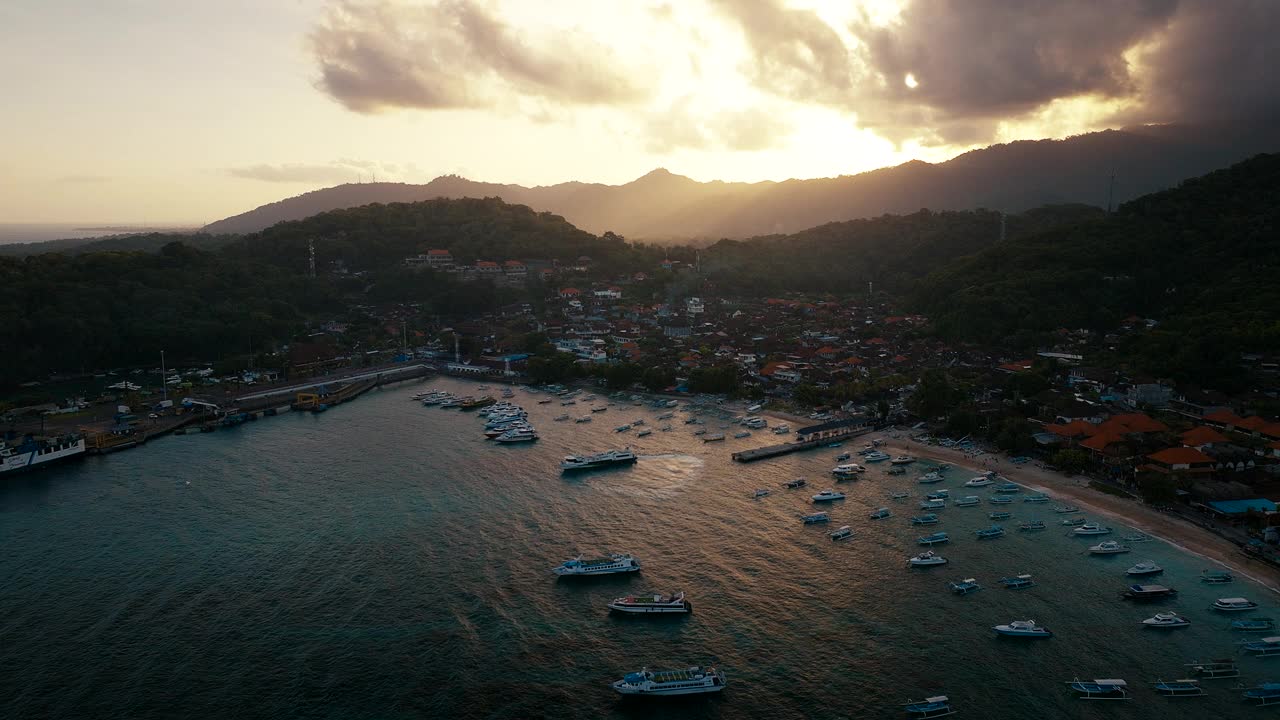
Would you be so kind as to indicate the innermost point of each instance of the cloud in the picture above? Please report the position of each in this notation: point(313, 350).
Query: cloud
point(296, 173)
point(684, 125)
point(83, 179)
point(374, 55)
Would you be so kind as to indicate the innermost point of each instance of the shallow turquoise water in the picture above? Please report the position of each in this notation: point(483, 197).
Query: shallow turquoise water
point(384, 560)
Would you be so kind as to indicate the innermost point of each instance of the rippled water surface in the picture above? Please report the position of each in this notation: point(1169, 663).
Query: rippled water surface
point(384, 560)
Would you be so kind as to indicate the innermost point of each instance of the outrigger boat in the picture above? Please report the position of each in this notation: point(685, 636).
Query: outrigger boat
point(999, 500)
point(815, 518)
point(930, 519)
point(1179, 688)
point(1037, 498)
point(934, 539)
point(1255, 624)
point(1010, 488)
point(1219, 669)
point(900, 495)
point(999, 515)
point(843, 532)
point(933, 504)
point(1166, 621)
point(1148, 592)
point(1105, 689)
point(967, 501)
point(1137, 537)
point(793, 484)
point(761, 493)
point(1072, 522)
point(881, 514)
point(994, 531)
point(965, 586)
point(1268, 693)
point(1017, 582)
point(930, 707)
point(1266, 647)
point(1216, 577)
point(1032, 525)
point(1023, 628)
point(1066, 509)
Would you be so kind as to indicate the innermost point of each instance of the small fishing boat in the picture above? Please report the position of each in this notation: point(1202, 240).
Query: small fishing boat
point(897, 470)
point(1104, 689)
point(1166, 620)
point(622, 428)
point(1018, 582)
point(933, 504)
point(930, 519)
point(929, 478)
point(1267, 693)
point(900, 495)
point(881, 513)
point(847, 470)
point(828, 496)
point(793, 484)
point(842, 533)
point(1179, 688)
point(875, 456)
point(1031, 525)
point(1009, 488)
point(967, 501)
point(1146, 567)
point(1091, 529)
point(999, 515)
point(965, 586)
point(1234, 604)
point(843, 456)
point(815, 518)
point(1037, 498)
point(761, 493)
point(1254, 624)
point(1266, 647)
point(743, 434)
point(1216, 577)
point(1066, 509)
point(1000, 500)
point(1023, 628)
point(900, 460)
point(644, 432)
point(651, 604)
point(934, 539)
point(1214, 669)
point(994, 531)
point(980, 481)
point(714, 437)
point(700, 431)
point(1110, 547)
point(930, 707)
point(1136, 537)
point(1148, 592)
point(1073, 522)
point(561, 418)
point(926, 559)
point(583, 419)
point(938, 495)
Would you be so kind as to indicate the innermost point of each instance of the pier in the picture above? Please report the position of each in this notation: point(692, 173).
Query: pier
point(772, 451)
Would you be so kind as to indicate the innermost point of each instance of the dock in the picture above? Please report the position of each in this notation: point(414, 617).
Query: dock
point(772, 451)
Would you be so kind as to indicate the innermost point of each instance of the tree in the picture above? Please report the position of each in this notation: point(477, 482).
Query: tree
point(934, 395)
point(1070, 460)
point(882, 408)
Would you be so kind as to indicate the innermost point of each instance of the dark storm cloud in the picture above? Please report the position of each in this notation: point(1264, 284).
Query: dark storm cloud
point(377, 54)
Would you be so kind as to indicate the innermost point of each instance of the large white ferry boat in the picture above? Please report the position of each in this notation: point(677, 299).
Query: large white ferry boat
point(31, 453)
point(614, 563)
point(690, 681)
point(604, 459)
point(645, 604)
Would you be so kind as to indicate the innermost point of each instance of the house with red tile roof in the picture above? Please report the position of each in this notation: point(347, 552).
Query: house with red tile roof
point(1202, 436)
point(570, 292)
point(1180, 460)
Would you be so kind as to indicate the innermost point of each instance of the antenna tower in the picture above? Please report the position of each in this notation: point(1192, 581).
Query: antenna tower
point(311, 251)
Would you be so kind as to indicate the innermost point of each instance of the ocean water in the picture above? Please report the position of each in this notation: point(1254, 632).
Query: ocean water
point(384, 560)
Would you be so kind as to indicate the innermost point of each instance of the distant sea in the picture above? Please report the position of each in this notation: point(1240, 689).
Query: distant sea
point(383, 560)
point(42, 232)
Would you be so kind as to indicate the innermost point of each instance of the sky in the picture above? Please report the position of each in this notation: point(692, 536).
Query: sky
point(186, 111)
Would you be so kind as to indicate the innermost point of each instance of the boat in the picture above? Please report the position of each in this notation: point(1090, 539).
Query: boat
point(968, 501)
point(1166, 620)
point(930, 707)
point(519, 435)
point(999, 500)
point(1066, 509)
point(1216, 577)
point(689, 681)
point(1215, 669)
point(622, 428)
point(1032, 525)
point(1148, 592)
point(1023, 628)
point(1073, 522)
point(712, 437)
point(828, 496)
point(782, 430)
point(847, 470)
point(1091, 529)
point(1104, 689)
point(999, 515)
point(842, 533)
point(1137, 537)
point(1009, 488)
point(1146, 567)
point(600, 409)
point(545, 401)
point(1234, 604)
point(470, 403)
point(1018, 582)
point(899, 495)
point(1266, 647)
point(934, 539)
point(566, 403)
point(604, 459)
point(842, 457)
point(743, 434)
point(881, 513)
point(1254, 624)
point(994, 531)
point(637, 423)
point(1110, 547)
point(1179, 688)
point(815, 518)
point(929, 519)
point(1038, 498)
point(933, 504)
point(931, 477)
point(1267, 693)
point(651, 604)
point(609, 565)
point(938, 495)
point(666, 416)
point(927, 558)
point(583, 419)
point(561, 418)
point(33, 453)
point(793, 484)
point(897, 470)
point(644, 432)
point(965, 586)
point(761, 492)
point(900, 460)
point(875, 456)
point(980, 481)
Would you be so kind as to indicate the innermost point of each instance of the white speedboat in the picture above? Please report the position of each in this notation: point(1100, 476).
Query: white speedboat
point(519, 435)
point(1091, 529)
point(933, 504)
point(651, 604)
point(827, 496)
point(875, 456)
point(1024, 628)
point(1166, 620)
point(843, 532)
point(967, 501)
point(1234, 604)
point(1110, 547)
point(1146, 567)
point(900, 460)
point(613, 563)
point(848, 470)
point(604, 459)
point(690, 681)
point(980, 481)
point(927, 558)
point(930, 478)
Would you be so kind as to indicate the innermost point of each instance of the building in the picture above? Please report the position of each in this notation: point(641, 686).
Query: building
point(835, 429)
point(694, 307)
point(488, 268)
point(439, 259)
point(514, 269)
point(1179, 461)
point(1148, 394)
point(609, 293)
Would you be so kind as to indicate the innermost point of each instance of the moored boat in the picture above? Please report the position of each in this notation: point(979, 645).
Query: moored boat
point(1037, 498)
point(793, 484)
point(1023, 628)
point(604, 459)
point(999, 515)
point(1265, 647)
point(875, 456)
point(933, 504)
point(930, 478)
point(1073, 522)
point(1000, 500)
point(1216, 577)
point(929, 519)
point(1066, 509)
point(980, 481)
point(965, 586)
point(609, 565)
point(1018, 582)
point(1146, 567)
point(1166, 620)
point(933, 539)
point(1100, 689)
point(761, 492)
point(1267, 693)
point(1091, 529)
point(900, 460)
point(900, 495)
point(1253, 624)
point(847, 470)
point(828, 496)
point(926, 559)
point(689, 681)
point(1217, 669)
point(713, 437)
point(931, 707)
point(1109, 547)
point(651, 604)
point(1031, 525)
point(1148, 592)
point(815, 518)
point(994, 531)
point(842, 533)
point(1179, 688)
point(881, 513)
point(1009, 488)
point(1234, 604)
point(967, 501)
